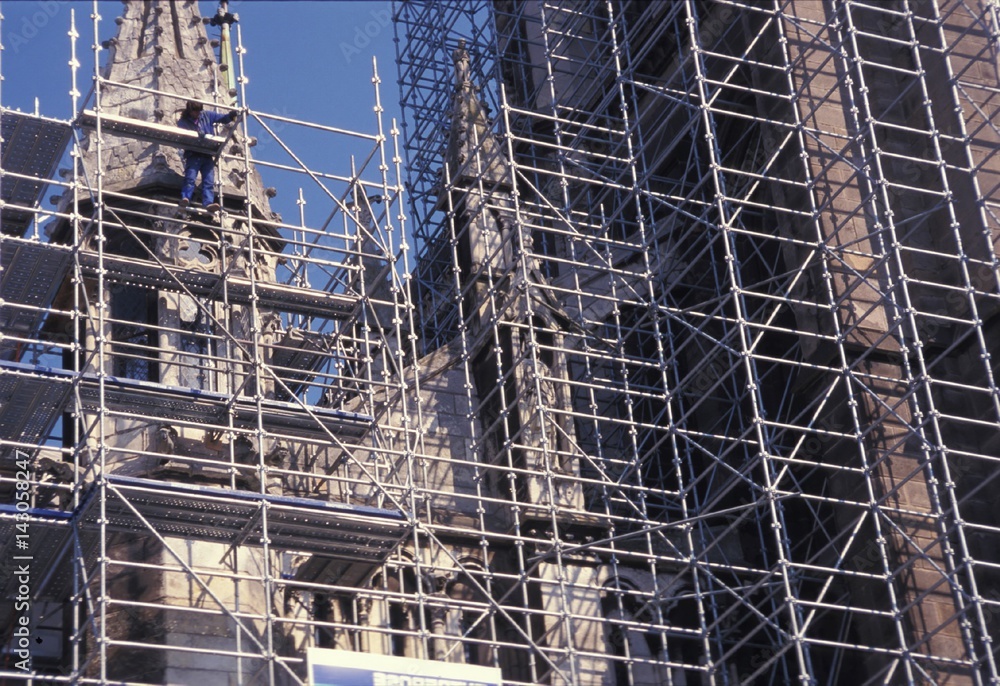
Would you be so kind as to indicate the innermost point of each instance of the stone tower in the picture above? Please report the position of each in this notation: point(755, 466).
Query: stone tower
point(690, 382)
point(738, 259)
point(171, 331)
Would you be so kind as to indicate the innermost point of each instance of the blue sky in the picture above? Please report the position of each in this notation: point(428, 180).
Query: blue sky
point(305, 60)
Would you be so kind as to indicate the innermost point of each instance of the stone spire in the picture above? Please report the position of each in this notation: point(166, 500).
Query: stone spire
point(473, 153)
point(490, 252)
point(162, 46)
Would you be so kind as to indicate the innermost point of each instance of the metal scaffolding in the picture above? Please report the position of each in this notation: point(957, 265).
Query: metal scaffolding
point(689, 381)
point(722, 277)
point(199, 435)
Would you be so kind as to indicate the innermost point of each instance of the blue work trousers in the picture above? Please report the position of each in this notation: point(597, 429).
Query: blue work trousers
point(199, 164)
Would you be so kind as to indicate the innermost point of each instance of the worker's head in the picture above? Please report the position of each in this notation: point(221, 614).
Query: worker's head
point(193, 108)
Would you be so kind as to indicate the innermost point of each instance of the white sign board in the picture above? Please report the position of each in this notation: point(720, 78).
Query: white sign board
point(347, 668)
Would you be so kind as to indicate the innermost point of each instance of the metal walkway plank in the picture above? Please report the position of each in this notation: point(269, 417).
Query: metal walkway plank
point(32, 146)
point(152, 132)
point(364, 534)
point(280, 297)
point(32, 398)
point(32, 274)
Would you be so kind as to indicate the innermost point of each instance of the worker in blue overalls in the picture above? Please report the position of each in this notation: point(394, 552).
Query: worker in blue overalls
point(196, 119)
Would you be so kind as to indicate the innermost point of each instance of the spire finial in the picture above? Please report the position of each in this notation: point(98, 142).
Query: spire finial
point(224, 20)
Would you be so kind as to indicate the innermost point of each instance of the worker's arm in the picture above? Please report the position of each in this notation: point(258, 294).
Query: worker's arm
point(216, 118)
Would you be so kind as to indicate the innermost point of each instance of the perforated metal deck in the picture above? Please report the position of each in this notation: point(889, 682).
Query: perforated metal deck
point(32, 146)
point(31, 400)
point(32, 274)
point(49, 540)
point(32, 397)
point(275, 296)
point(147, 399)
point(297, 356)
point(347, 532)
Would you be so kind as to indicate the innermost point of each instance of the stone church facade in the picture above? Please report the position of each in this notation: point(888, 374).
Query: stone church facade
point(655, 349)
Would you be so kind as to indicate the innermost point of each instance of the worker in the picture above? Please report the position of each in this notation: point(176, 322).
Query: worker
point(196, 119)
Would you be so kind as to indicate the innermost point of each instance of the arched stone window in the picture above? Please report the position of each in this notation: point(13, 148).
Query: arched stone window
point(134, 314)
point(400, 611)
point(134, 341)
point(196, 343)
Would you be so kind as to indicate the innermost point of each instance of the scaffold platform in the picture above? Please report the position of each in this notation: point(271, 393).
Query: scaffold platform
point(31, 400)
point(297, 355)
point(239, 290)
point(32, 397)
point(349, 534)
point(31, 148)
point(353, 532)
point(49, 538)
point(30, 276)
point(149, 131)
point(149, 399)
